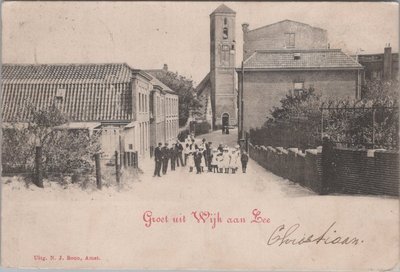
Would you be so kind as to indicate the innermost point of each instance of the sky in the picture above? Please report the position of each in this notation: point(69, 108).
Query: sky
point(147, 35)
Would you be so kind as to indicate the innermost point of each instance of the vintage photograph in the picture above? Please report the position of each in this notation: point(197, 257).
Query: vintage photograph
point(200, 135)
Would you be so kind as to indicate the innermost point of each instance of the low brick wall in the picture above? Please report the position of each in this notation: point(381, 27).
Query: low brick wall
point(304, 169)
point(354, 171)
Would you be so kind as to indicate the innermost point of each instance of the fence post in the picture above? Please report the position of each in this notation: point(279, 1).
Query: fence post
point(38, 167)
point(116, 167)
point(373, 128)
point(98, 171)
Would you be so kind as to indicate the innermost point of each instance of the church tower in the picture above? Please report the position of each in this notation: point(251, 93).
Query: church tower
point(222, 66)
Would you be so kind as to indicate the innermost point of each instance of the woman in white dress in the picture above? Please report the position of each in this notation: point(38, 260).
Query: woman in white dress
point(235, 159)
point(190, 161)
point(226, 160)
point(214, 160)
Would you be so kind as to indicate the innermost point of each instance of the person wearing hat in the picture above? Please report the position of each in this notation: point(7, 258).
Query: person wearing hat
point(220, 161)
point(220, 148)
point(244, 158)
point(203, 159)
point(158, 156)
point(226, 159)
point(235, 159)
point(165, 152)
point(190, 160)
point(186, 151)
point(197, 161)
point(207, 155)
point(214, 161)
point(173, 155)
point(179, 151)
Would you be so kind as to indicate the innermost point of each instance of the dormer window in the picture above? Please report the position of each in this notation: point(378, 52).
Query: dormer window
point(225, 33)
point(60, 93)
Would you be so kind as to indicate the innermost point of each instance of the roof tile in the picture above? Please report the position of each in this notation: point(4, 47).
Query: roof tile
point(308, 59)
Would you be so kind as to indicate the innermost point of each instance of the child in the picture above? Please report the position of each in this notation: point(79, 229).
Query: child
point(203, 159)
point(244, 159)
point(214, 161)
point(186, 151)
point(190, 161)
point(235, 157)
point(220, 162)
point(197, 160)
point(226, 159)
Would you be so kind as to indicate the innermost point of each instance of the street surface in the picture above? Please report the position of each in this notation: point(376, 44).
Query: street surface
point(134, 227)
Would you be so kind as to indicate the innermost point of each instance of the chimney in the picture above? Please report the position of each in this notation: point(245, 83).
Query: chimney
point(165, 68)
point(245, 27)
point(387, 63)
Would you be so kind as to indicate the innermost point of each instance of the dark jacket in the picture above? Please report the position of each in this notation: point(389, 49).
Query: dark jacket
point(158, 154)
point(197, 158)
point(165, 153)
point(244, 157)
point(179, 147)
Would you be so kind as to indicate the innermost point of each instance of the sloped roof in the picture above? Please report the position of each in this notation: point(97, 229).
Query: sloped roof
point(308, 59)
point(155, 81)
point(203, 94)
point(286, 21)
point(89, 92)
point(66, 73)
point(203, 84)
point(223, 9)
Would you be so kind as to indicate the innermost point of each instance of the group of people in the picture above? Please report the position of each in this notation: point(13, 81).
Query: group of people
point(165, 154)
point(201, 156)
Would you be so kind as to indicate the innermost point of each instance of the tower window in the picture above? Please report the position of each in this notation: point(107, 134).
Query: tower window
point(225, 21)
point(225, 33)
point(233, 47)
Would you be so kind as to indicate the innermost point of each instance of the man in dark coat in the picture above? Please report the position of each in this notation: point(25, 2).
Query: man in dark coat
point(197, 161)
point(179, 151)
point(244, 158)
point(173, 155)
point(158, 160)
point(208, 155)
point(165, 153)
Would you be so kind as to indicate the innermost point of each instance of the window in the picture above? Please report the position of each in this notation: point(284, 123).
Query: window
point(225, 21)
point(298, 86)
point(225, 33)
point(60, 93)
point(140, 102)
point(289, 40)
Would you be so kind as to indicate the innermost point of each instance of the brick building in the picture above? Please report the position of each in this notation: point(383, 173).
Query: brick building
point(218, 89)
point(164, 116)
point(111, 98)
point(287, 57)
point(380, 66)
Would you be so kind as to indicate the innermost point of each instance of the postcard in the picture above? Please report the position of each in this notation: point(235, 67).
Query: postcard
point(200, 135)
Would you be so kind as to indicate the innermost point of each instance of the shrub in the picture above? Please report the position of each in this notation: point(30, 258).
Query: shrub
point(183, 135)
point(201, 128)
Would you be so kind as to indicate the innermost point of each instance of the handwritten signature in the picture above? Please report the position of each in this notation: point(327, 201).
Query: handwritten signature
point(283, 235)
